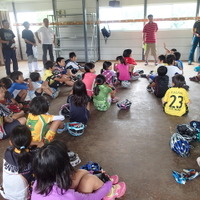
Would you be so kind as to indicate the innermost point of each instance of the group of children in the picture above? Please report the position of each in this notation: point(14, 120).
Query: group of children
point(40, 128)
point(32, 138)
point(169, 83)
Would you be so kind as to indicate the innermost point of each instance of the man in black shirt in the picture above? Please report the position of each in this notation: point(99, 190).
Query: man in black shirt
point(8, 47)
point(195, 42)
point(28, 37)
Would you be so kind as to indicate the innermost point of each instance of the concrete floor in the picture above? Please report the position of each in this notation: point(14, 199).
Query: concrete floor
point(135, 144)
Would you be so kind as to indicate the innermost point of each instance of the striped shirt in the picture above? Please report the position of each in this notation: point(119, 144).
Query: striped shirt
point(150, 30)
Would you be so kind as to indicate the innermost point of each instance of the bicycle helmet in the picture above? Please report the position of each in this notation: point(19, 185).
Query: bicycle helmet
point(75, 128)
point(64, 110)
point(126, 84)
point(124, 105)
point(91, 166)
point(180, 145)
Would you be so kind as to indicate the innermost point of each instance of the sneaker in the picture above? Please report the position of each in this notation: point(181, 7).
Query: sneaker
point(189, 62)
point(61, 130)
point(114, 179)
point(114, 100)
point(194, 78)
point(143, 76)
point(74, 158)
point(117, 191)
point(55, 94)
point(149, 89)
point(146, 63)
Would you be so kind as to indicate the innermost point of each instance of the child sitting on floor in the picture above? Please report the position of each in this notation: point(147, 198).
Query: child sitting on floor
point(129, 60)
point(123, 69)
point(159, 86)
point(65, 182)
point(7, 122)
point(108, 73)
point(9, 101)
point(17, 166)
point(72, 65)
point(38, 121)
point(41, 87)
point(176, 99)
point(178, 62)
point(79, 103)
point(103, 94)
point(20, 89)
point(89, 78)
point(54, 77)
point(171, 68)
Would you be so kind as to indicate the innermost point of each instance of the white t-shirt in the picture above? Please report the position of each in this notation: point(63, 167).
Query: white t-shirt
point(171, 71)
point(73, 64)
point(46, 35)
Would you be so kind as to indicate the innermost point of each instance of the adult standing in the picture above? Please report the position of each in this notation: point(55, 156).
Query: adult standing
point(195, 42)
point(149, 39)
point(47, 40)
point(29, 39)
point(8, 47)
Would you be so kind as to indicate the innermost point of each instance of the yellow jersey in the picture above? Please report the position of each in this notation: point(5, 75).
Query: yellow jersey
point(176, 100)
point(38, 125)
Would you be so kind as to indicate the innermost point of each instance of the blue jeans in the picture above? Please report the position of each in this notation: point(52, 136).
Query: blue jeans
point(46, 47)
point(195, 42)
point(10, 54)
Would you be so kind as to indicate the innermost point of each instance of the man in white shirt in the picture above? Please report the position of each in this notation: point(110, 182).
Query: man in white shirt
point(47, 40)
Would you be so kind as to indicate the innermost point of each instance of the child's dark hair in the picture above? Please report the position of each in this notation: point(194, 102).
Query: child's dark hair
point(15, 75)
point(100, 80)
point(34, 76)
point(88, 67)
point(177, 55)
point(49, 64)
point(178, 81)
point(106, 65)
point(59, 59)
point(162, 58)
point(162, 70)
point(170, 59)
point(80, 97)
point(51, 165)
point(121, 59)
point(127, 52)
point(21, 139)
point(6, 82)
point(72, 54)
point(174, 50)
point(39, 105)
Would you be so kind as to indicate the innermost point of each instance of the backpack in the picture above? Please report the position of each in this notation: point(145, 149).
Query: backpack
point(106, 33)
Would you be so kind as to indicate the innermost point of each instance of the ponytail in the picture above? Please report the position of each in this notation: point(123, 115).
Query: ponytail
point(100, 80)
point(21, 140)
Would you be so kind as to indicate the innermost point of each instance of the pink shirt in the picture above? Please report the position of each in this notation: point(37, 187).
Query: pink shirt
point(150, 30)
point(123, 72)
point(89, 80)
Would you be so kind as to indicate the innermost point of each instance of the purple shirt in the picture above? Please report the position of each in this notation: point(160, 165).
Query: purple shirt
point(109, 74)
point(71, 194)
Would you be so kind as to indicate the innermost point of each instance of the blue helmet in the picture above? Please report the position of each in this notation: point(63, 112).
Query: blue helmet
point(180, 145)
point(75, 128)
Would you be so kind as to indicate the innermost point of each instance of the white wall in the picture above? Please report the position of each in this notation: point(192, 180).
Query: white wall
point(120, 40)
